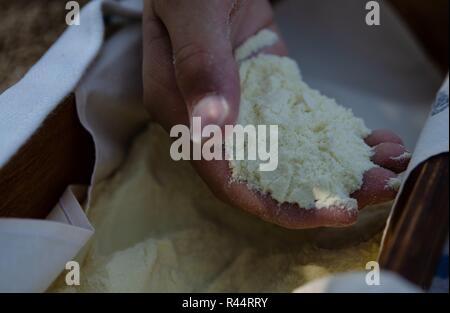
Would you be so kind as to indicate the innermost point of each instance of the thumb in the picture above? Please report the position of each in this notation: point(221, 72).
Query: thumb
point(206, 72)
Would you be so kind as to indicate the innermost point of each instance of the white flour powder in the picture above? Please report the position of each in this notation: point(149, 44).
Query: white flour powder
point(264, 38)
point(322, 153)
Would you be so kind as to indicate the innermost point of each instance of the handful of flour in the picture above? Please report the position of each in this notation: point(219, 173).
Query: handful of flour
point(322, 155)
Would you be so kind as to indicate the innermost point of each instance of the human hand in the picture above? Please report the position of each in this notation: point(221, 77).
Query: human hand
point(189, 70)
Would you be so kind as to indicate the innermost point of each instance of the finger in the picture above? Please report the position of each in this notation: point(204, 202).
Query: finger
point(382, 135)
point(292, 216)
point(392, 156)
point(205, 70)
point(375, 188)
point(161, 96)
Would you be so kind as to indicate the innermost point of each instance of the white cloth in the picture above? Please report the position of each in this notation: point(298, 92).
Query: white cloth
point(34, 252)
point(433, 139)
point(377, 84)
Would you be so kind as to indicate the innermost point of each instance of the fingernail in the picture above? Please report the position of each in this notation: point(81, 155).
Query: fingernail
point(212, 110)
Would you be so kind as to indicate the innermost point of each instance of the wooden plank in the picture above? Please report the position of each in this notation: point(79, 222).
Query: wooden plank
point(60, 153)
point(418, 228)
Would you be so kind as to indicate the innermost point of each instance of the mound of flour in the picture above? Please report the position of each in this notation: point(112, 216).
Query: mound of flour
point(158, 228)
point(322, 153)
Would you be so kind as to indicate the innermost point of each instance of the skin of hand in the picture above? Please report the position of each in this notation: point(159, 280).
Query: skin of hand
point(189, 70)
